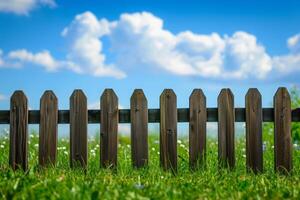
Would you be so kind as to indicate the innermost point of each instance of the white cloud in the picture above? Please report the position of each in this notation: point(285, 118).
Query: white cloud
point(139, 40)
point(286, 64)
point(85, 51)
point(23, 7)
point(2, 97)
point(42, 58)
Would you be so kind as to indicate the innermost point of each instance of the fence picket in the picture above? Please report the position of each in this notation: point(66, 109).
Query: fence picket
point(226, 128)
point(197, 128)
point(282, 129)
point(18, 149)
point(109, 129)
point(78, 129)
point(254, 154)
point(139, 128)
point(168, 130)
point(48, 129)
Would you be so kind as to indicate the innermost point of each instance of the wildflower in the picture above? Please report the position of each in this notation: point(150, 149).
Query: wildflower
point(244, 156)
point(158, 153)
point(92, 151)
point(128, 145)
point(2, 146)
point(66, 153)
point(36, 145)
point(97, 145)
point(179, 141)
point(153, 149)
point(182, 145)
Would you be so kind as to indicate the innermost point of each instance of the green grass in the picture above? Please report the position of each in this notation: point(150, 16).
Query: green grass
point(61, 182)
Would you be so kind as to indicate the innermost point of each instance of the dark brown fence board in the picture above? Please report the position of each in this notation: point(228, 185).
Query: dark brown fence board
point(48, 129)
point(197, 128)
point(168, 130)
point(139, 128)
point(78, 129)
point(254, 153)
point(109, 129)
point(18, 149)
point(226, 128)
point(282, 129)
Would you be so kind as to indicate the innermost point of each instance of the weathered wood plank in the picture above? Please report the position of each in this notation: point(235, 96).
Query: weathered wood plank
point(197, 128)
point(139, 128)
point(109, 129)
point(78, 129)
point(254, 152)
point(18, 149)
point(282, 129)
point(48, 129)
point(168, 130)
point(226, 129)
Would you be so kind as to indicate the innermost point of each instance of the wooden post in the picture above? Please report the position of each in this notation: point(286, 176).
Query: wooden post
point(78, 129)
point(109, 129)
point(168, 130)
point(226, 128)
point(282, 128)
point(18, 149)
point(139, 128)
point(197, 128)
point(254, 153)
point(48, 129)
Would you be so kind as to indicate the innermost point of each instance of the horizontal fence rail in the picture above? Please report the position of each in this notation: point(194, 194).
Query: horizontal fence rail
point(168, 115)
point(153, 115)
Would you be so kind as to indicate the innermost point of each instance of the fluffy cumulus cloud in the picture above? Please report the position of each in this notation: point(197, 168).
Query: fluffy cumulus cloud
point(85, 48)
point(42, 58)
point(23, 7)
point(140, 40)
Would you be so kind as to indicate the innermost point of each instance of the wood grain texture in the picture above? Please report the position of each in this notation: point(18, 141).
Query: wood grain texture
point(139, 128)
point(168, 130)
point(226, 129)
point(254, 152)
point(48, 129)
point(78, 129)
point(109, 129)
point(18, 149)
point(197, 128)
point(282, 128)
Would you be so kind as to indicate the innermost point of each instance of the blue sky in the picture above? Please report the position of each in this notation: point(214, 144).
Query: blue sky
point(93, 45)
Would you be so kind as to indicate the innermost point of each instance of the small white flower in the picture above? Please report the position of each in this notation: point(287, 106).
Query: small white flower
point(295, 145)
point(153, 149)
point(182, 145)
point(63, 148)
point(158, 153)
point(161, 177)
point(243, 149)
point(92, 151)
point(66, 153)
point(244, 156)
point(179, 141)
point(97, 145)
point(36, 145)
point(128, 145)
point(272, 146)
point(119, 145)
point(2, 146)
point(5, 137)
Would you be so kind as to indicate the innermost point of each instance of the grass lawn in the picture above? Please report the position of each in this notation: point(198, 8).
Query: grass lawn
point(149, 183)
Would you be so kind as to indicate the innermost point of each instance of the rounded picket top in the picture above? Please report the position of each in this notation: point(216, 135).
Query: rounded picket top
point(168, 93)
point(197, 94)
point(78, 93)
point(49, 95)
point(225, 92)
point(138, 93)
point(18, 95)
point(108, 93)
point(282, 92)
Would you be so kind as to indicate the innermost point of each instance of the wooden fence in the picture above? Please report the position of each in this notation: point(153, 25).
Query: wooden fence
point(168, 115)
